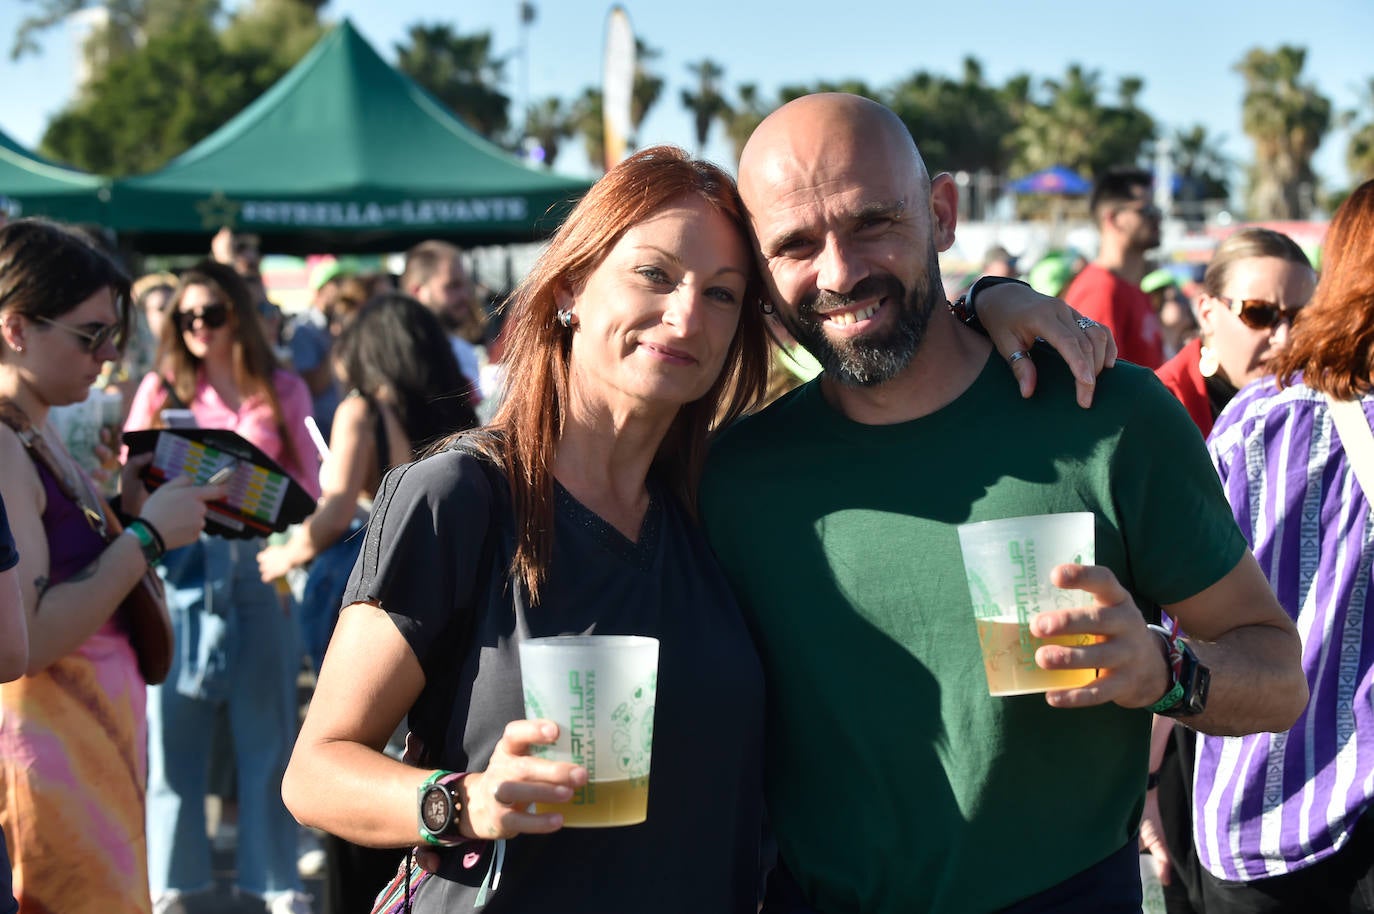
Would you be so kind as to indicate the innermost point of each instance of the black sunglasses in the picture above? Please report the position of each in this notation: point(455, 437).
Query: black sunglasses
point(1258, 314)
point(93, 340)
point(212, 316)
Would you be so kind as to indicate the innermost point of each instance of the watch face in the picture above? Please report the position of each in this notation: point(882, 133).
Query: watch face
point(436, 809)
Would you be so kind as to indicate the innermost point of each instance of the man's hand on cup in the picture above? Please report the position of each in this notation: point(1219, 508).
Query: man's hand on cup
point(1129, 658)
point(497, 801)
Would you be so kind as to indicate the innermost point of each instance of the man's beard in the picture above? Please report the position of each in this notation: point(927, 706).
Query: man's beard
point(870, 359)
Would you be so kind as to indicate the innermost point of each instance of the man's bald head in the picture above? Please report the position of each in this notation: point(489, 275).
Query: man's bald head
point(829, 130)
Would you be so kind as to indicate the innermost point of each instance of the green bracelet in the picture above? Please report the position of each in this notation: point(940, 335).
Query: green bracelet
point(147, 543)
point(1169, 701)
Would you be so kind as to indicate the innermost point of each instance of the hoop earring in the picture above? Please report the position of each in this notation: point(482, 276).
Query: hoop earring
point(1208, 363)
point(565, 318)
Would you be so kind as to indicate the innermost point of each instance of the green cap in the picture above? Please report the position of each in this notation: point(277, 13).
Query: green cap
point(1050, 275)
point(1159, 279)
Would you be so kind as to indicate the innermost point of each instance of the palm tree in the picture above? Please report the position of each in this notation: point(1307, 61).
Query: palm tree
point(1286, 119)
point(648, 87)
point(549, 123)
point(1199, 161)
point(740, 120)
point(1072, 127)
point(589, 120)
point(461, 72)
point(706, 104)
point(1359, 154)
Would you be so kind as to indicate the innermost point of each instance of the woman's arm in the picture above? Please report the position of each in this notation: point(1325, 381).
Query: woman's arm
point(340, 781)
point(59, 618)
point(341, 480)
point(295, 406)
point(14, 631)
point(1015, 316)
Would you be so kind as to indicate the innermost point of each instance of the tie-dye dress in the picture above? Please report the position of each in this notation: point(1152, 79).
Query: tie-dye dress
point(73, 757)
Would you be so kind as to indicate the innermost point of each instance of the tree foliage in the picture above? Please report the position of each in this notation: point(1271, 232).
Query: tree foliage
point(1359, 152)
point(589, 120)
point(128, 122)
point(549, 122)
point(740, 118)
point(1204, 169)
point(961, 125)
point(462, 72)
point(1286, 118)
point(1068, 123)
point(706, 102)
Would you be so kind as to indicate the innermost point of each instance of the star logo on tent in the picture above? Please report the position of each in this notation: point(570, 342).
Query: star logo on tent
point(218, 211)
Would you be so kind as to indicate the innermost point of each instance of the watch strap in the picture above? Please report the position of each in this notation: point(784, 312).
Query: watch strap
point(965, 307)
point(446, 780)
point(1188, 679)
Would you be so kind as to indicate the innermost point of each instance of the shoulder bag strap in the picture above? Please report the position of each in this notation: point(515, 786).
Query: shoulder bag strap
point(1355, 433)
point(90, 504)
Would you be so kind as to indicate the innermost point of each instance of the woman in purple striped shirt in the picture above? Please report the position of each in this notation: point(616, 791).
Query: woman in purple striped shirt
point(1280, 819)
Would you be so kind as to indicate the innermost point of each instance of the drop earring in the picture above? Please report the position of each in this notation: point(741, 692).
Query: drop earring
point(1207, 362)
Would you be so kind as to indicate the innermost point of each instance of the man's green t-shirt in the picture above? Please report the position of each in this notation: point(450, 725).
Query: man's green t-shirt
point(894, 782)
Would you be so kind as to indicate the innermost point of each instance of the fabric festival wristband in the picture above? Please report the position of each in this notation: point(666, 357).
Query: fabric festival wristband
point(146, 543)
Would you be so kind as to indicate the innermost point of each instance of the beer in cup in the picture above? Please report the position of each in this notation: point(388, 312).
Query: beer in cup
point(600, 691)
point(1008, 563)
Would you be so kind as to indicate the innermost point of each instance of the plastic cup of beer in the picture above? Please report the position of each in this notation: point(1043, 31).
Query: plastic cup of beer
point(600, 691)
point(1008, 563)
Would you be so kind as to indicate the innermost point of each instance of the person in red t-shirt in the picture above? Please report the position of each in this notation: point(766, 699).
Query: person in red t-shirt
point(1108, 289)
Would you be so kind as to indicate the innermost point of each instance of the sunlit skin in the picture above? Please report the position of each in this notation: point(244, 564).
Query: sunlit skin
point(209, 344)
point(154, 305)
point(448, 293)
point(655, 318)
point(1242, 351)
point(1139, 220)
point(69, 370)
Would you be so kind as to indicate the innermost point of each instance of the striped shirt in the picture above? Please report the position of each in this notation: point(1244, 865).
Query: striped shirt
point(1272, 803)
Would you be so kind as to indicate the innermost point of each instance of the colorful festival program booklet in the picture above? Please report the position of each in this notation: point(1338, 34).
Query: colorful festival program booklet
point(262, 497)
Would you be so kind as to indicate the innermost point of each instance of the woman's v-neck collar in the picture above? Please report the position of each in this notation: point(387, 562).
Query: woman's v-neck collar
point(639, 554)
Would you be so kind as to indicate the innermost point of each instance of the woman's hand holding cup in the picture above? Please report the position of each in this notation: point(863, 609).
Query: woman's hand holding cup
point(497, 801)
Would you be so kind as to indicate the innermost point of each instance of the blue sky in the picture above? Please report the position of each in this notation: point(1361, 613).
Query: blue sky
point(1185, 51)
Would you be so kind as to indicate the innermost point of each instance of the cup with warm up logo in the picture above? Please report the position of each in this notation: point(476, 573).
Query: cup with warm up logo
point(600, 691)
point(1007, 563)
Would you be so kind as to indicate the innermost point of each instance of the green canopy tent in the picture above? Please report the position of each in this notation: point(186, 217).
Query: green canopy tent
point(344, 153)
point(31, 185)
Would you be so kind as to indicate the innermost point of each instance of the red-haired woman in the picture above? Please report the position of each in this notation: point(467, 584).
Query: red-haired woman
point(1283, 821)
point(237, 646)
point(641, 325)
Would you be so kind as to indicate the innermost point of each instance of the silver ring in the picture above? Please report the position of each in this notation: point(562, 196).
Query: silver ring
point(1086, 323)
point(1017, 356)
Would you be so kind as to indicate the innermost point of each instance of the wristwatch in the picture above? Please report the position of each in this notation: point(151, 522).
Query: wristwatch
point(439, 808)
point(1187, 692)
point(963, 306)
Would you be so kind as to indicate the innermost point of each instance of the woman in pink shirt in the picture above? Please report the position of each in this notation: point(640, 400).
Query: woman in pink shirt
point(237, 644)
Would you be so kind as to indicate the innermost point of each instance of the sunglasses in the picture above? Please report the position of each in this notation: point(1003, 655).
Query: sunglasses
point(1258, 314)
point(1147, 210)
point(211, 316)
point(92, 341)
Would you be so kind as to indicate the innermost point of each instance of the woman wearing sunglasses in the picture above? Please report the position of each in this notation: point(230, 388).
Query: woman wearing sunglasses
point(1255, 285)
point(241, 647)
point(72, 727)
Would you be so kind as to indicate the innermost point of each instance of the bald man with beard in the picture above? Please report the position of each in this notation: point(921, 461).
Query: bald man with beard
point(895, 783)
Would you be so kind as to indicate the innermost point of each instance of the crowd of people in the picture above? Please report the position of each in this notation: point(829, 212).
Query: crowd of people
point(824, 740)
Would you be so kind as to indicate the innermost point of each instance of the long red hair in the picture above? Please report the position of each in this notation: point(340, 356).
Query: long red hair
point(537, 348)
point(1332, 343)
